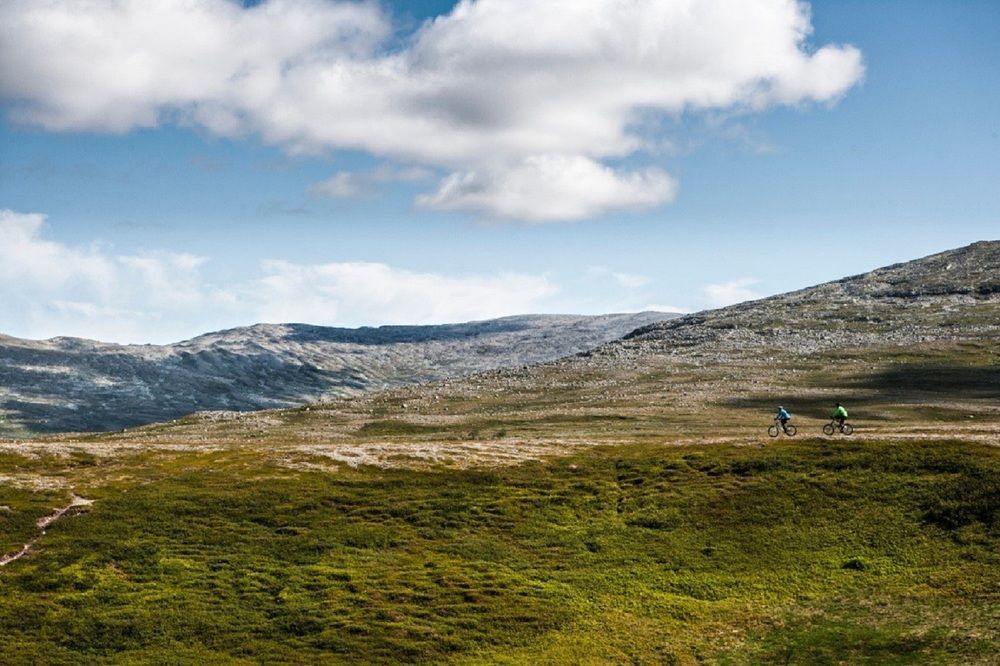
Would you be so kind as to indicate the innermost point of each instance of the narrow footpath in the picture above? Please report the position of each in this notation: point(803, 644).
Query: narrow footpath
point(43, 524)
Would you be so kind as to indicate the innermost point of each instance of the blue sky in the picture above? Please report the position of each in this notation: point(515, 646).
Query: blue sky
point(153, 205)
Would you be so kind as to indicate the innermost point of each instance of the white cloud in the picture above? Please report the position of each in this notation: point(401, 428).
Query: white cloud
point(167, 278)
point(62, 290)
point(499, 92)
point(551, 188)
point(374, 293)
point(657, 307)
point(341, 185)
point(29, 260)
point(727, 293)
point(93, 321)
point(626, 280)
point(351, 184)
point(50, 289)
point(630, 280)
point(114, 65)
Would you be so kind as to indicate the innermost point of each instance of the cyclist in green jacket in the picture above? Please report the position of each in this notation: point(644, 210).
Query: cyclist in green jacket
point(840, 414)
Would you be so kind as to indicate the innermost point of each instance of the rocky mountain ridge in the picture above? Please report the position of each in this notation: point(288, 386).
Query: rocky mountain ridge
point(946, 296)
point(910, 349)
point(70, 384)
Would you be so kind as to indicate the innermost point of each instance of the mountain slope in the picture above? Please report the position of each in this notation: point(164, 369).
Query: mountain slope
point(943, 296)
point(67, 384)
point(906, 348)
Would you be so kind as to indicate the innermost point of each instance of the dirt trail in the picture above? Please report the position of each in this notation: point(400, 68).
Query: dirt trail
point(43, 524)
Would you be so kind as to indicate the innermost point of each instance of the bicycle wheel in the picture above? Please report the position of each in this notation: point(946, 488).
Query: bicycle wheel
point(828, 429)
point(847, 429)
point(790, 431)
point(773, 431)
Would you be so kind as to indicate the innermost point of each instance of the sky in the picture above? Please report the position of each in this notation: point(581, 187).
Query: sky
point(172, 167)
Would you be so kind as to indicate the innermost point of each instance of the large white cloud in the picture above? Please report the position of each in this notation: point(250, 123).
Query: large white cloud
point(48, 289)
point(489, 91)
point(114, 65)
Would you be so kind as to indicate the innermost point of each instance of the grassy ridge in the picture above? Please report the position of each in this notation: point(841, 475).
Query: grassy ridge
point(804, 551)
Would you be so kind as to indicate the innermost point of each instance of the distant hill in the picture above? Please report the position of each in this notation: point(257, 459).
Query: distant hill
point(69, 384)
point(899, 345)
point(912, 348)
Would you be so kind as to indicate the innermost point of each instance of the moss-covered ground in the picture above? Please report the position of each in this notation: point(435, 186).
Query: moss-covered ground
point(595, 510)
point(864, 550)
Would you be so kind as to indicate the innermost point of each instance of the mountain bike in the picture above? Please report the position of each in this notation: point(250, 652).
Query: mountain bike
point(790, 430)
point(845, 428)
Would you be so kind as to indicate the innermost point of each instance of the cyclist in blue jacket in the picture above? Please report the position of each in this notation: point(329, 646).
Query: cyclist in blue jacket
point(783, 416)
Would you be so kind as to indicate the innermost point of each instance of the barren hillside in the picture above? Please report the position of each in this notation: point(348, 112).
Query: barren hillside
point(67, 384)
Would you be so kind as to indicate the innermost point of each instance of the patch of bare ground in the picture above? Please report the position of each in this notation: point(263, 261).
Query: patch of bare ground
point(43, 524)
point(30, 481)
point(105, 449)
point(457, 455)
point(299, 463)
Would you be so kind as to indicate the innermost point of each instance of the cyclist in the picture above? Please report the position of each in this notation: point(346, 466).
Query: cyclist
point(783, 416)
point(840, 415)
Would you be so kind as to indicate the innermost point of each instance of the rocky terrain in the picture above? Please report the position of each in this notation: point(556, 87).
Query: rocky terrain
point(945, 297)
point(68, 384)
point(899, 343)
point(910, 349)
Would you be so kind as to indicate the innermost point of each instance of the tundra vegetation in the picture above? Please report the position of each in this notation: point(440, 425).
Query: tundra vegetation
point(620, 506)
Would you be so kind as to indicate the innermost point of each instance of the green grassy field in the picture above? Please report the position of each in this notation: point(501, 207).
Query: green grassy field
point(597, 510)
point(802, 551)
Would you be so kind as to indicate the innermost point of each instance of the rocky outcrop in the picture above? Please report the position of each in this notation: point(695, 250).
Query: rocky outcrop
point(949, 297)
point(69, 384)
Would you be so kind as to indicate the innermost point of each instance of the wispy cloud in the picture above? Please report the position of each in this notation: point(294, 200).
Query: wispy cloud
point(154, 296)
point(630, 280)
point(353, 184)
point(622, 279)
point(35, 262)
point(375, 293)
point(523, 104)
point(727, 293)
